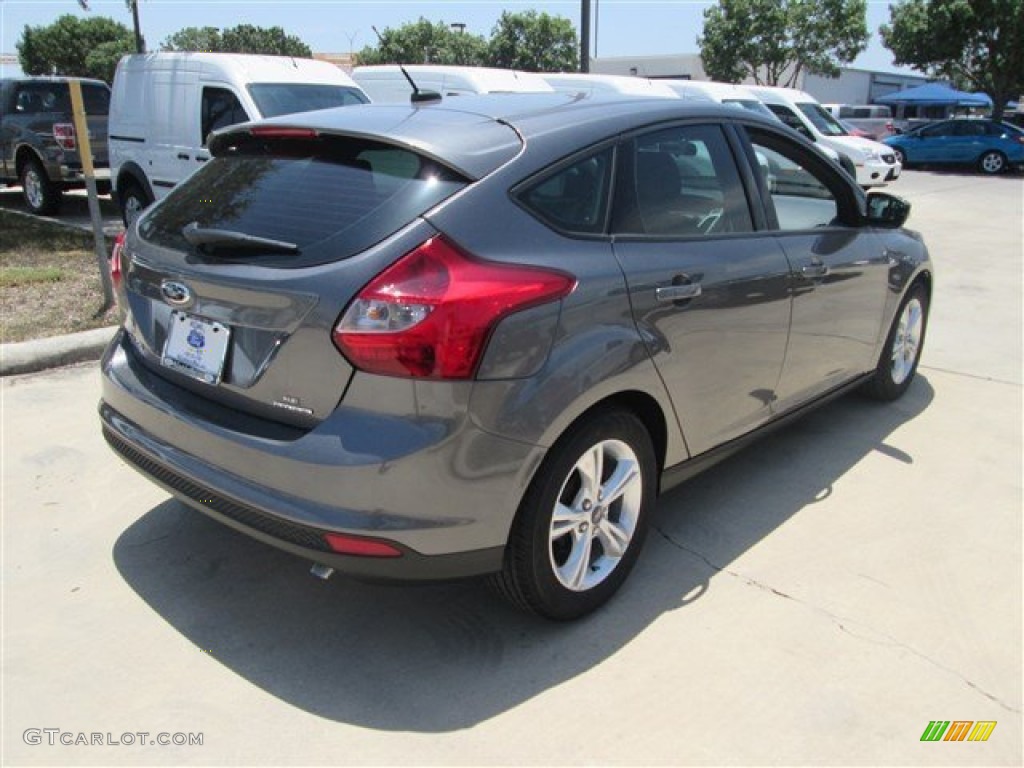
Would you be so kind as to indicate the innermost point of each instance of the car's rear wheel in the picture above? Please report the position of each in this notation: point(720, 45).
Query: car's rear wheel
point(992, 162)
point(133, 201)
point(581, 524)
point(41, 195)
point(902, 352)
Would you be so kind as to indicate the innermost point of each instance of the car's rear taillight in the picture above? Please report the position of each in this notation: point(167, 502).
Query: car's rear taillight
point(64, 135)
point(429, 314)
point(116, 253)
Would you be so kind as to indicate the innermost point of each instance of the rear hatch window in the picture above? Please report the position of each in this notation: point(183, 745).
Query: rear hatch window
point(329, 197)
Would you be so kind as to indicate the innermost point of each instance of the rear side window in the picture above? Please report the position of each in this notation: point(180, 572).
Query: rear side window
point(42, 98)
point(331, 197)
point(574, 199)
point(275, 99)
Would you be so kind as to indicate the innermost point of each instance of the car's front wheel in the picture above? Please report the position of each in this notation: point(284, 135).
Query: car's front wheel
point(901, 156)
point(41, 195)
point(583, 520)
point(902, 352)
point(992, 162)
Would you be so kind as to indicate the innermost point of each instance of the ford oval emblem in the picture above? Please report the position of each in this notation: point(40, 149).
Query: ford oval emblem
point(176, 293)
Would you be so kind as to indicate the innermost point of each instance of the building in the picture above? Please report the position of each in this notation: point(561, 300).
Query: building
point(853, 86)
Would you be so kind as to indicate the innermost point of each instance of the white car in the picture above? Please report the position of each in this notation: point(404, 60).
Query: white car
point(871, 163)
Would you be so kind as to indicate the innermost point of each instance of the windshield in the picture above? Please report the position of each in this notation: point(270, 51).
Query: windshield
point(273, 99)
point(822, 119)
point(751, 104)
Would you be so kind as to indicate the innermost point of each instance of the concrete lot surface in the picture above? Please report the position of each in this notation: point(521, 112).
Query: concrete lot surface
point(816, 600)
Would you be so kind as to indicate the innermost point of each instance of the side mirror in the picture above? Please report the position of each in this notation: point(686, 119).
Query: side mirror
point(887, 211)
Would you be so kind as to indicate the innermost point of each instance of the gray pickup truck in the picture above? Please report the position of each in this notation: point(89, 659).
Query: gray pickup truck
point(38, 143)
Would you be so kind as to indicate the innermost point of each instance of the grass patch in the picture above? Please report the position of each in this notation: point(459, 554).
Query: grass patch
point(49, 281)
point(11, 277)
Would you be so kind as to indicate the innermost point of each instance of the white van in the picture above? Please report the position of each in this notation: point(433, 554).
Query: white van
point(723, 93)
point(385, 83)
point(164, 105)
point(873, 164)
point(579, 82)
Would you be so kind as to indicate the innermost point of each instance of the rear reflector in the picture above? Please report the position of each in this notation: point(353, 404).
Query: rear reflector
point(116, 253)
point(355, 545)
point(430, 314)
point(64, 135)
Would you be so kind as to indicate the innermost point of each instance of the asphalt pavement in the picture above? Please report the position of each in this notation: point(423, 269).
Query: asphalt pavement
point(818, 599)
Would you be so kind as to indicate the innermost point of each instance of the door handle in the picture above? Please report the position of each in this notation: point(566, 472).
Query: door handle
point(201, 159)
point(678, 292)
point(184, 156)
point(815, 270)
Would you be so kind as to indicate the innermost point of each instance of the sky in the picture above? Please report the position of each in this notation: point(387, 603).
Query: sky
point(622, 27)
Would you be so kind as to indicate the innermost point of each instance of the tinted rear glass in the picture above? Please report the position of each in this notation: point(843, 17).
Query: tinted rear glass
point(275, 99)
point(330, 197)
point(39, 98)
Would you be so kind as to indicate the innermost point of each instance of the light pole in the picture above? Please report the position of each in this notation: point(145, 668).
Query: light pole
point(584, 35)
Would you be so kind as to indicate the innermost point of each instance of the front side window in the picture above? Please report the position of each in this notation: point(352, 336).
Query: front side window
point(798, 194)
point(574, 199)
point(220, 108)
point(685, 184)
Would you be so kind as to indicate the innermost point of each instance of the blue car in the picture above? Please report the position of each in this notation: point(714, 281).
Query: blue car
point(992, 147)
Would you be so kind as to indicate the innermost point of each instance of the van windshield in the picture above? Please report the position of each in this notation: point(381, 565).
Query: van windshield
point(822, 119)
point(273, 99)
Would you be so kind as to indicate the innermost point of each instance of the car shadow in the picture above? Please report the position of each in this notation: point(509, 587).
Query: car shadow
point(443, 657)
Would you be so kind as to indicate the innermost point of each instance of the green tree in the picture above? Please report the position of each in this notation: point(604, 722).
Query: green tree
point(244, 38)
point(775, 41)
point(193, 39)
point(75, 47)
point(535, 42)
point(423, 42)
point(978, 44)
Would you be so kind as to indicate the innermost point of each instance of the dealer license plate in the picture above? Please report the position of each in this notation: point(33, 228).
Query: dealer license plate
point(196, 347)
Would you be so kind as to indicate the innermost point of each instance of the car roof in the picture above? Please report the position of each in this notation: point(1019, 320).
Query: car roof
point(475, 134)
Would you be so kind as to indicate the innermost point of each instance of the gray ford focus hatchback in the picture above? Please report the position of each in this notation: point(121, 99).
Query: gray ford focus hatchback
point(480, 337)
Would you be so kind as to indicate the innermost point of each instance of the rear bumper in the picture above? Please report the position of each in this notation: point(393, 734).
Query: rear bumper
point(437, 499)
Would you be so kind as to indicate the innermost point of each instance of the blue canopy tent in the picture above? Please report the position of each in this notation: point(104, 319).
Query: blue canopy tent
point(937, 94)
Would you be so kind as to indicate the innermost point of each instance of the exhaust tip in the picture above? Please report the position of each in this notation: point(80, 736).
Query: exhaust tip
point(321, 571)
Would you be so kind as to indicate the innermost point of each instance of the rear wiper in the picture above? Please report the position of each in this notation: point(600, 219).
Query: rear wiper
point(230, 239)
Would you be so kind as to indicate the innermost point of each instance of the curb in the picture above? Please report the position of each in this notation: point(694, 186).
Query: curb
point(56, 351)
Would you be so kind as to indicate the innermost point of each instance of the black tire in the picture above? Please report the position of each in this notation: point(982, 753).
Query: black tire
point(848, 166)
point(42, 197)
point(539, 559)
point(901, 156)
point(132, 199)
point(897, 364)
point(992, 162)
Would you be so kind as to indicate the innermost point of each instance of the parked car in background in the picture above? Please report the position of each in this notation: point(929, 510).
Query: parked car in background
point(871, 163)
point(480, 336)
point(989, 146)
point(164, 105)
point(580, 82)
point(875, 120)
point(39, 147)
point(387, 84)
